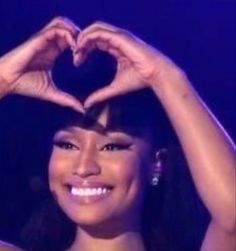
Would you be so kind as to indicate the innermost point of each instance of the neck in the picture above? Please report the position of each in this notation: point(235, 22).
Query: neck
point(126, 240)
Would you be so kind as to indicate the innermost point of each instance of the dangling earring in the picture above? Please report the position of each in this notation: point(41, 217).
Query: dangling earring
point(155, 180)
point(157, 172)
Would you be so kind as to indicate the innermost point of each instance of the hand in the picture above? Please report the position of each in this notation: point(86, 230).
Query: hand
point(26, 70)
point(139, 64)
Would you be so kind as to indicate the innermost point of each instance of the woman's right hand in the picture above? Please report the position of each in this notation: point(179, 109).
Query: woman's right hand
point(26, 70)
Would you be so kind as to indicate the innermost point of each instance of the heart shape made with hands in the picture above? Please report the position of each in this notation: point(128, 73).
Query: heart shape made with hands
point(101, 76)
point(93, 74)
point(138, 63)
point(121, 78)
point(28, 68)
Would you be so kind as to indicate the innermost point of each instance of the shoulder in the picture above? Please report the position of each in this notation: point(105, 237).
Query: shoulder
point(8, 247)
point(217, 239)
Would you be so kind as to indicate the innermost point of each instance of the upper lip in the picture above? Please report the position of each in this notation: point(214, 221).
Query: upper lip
point(74, 182)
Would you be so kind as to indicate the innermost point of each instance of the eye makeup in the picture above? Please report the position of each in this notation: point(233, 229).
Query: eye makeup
point(115, 146)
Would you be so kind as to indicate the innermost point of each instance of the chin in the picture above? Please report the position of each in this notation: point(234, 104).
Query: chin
point(88, 217)
point(107, 208)
point(89, 211)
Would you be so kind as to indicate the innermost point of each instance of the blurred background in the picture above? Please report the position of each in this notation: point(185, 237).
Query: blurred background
point(198, 35)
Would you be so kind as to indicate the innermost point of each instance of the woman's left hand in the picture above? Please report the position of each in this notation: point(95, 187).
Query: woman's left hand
point(139, 64)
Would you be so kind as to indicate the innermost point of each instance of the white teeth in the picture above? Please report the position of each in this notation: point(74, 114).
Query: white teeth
point(99, 191)
point(89, 191)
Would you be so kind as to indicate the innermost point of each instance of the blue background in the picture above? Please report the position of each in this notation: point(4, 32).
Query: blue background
point(197, 35)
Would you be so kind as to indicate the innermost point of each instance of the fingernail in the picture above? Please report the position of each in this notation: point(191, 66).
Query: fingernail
point(73, 46)
point(76, 62)
point(79, 109)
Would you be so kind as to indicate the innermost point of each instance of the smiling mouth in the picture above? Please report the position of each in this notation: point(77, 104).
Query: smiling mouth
point(99, 191)
point(88, 194)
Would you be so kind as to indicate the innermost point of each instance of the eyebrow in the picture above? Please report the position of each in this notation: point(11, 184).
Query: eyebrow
point(108, 133)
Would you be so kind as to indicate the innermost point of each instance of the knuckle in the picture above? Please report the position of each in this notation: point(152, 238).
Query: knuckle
point(123, 33)
point(59, 19)
point(54, 30)
point(63, 23)
point(47, 32)
point(99, 23)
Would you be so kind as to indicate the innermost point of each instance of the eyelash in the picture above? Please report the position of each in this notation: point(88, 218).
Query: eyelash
point(65, 145)
point(117, 146)
point(108, 147)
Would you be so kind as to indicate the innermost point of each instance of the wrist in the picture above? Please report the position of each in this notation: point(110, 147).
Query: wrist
point(170, 82)
point(3, 87)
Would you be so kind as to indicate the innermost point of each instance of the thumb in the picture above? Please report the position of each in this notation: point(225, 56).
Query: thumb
point(103, 94)
point(64, 99)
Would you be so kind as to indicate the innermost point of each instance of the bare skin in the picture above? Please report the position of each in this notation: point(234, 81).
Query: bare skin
point(211, 158)
point(8, 247)
point(26, 70)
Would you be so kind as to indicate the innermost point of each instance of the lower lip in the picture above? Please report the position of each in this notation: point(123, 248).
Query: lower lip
point(85, 200)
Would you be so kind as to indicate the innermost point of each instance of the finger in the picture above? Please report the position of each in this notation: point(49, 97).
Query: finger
point(65, 23)
point(101, 24)
point(101, 39)
point(80, 57)
point(63, 99)
point(63, 38)
point(120, 45)
point(103, 94)
point(46, 42)
point(49, 44)
point(99, 96)
point(121, 42)
point(80, 54)
point(95, 26)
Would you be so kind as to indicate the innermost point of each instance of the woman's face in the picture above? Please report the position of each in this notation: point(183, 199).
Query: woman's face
point(99, 177)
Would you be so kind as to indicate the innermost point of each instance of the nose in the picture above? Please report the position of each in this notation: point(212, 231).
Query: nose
point(86, 165)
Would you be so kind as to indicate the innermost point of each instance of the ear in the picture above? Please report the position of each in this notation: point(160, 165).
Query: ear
point(157, 166)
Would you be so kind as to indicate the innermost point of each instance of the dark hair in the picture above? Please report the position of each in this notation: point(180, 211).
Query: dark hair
point(171, 213)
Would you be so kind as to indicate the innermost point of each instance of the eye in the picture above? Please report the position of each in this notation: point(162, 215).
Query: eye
point(115, 147)
point(65, 145)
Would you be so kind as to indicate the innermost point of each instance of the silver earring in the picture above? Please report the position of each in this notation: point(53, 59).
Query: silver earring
point(157, 174)
point(158, 169)
point(155, 180)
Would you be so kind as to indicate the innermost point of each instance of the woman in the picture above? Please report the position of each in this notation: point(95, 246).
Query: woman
point(99, 176)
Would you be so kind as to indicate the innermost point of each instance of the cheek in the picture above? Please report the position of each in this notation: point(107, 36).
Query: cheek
point(59, 166)
point(128, 170)
point(131, 184)
point(136, 176)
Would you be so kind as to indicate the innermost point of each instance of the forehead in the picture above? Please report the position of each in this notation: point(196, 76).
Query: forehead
point(87, 134)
